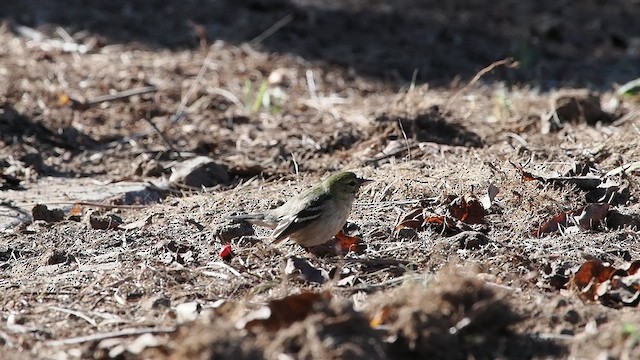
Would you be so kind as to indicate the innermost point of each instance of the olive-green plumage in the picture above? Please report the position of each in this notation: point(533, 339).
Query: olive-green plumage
point(316, 215)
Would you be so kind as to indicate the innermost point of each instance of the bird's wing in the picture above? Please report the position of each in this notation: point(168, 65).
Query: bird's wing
point(298, 220)
point(256, 219)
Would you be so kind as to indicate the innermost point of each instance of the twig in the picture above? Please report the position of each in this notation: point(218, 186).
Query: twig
point(378, 261)
point(121, 95)
point(508, 62)
point(552, 336)
point(227, 95)
point(164, 138)
point(630, 116)
point(109, 335)
point(88, 203)
point(76, 314)
point(311, 84)
point(185, 99)
point(222, 265)
point(391, 154)
point(271, 30)
point(406, 140)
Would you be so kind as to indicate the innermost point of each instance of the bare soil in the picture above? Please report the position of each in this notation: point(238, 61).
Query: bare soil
point(279, 94)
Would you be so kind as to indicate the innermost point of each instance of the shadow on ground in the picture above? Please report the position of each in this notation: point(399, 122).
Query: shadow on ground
point(558, 43)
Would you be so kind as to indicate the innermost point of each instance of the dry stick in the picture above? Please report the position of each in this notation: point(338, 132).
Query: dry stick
point(406, 140)
point(391, 154)
point(120, 95)
point(109, 335)
point(164, 138)
point(76, 314)
point(508, 62)
point(183, 103)
point(88, 203)
point(271, 30)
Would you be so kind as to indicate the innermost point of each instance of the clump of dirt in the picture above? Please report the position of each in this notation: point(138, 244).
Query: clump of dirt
point(334, 330)
point(455, 317)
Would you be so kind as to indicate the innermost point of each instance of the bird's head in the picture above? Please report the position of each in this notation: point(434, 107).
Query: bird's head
point(344, 184)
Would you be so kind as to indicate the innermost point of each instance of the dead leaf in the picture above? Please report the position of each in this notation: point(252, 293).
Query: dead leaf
point(592, 215)
point(199, 172)
point(348, 281)
point(590, 276)
point(346, 243)
point(634, 267)
point(608, 285)
point(443, 223)
point(99, 221)
point(617, 220)
point(587, 218)
point(468, 210)
point(41, 212)
point(283, 312)
point(381, 317)
point(411, 224)
point(487, 199)
point(552, 225)
point(76, 210)
point(300, 268)
point(140, 223)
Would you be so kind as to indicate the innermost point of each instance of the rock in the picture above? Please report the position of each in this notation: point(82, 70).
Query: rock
point(198, 172)
point(103, 222)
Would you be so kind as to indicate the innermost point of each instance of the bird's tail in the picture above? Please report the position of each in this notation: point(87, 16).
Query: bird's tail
point(256, 219)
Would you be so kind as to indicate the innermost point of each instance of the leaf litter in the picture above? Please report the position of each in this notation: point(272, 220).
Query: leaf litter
point(390, 296)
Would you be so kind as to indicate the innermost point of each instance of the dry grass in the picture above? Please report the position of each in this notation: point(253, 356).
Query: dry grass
point(70, 291)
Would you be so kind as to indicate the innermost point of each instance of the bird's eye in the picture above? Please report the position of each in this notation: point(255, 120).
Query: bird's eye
point(353, 183)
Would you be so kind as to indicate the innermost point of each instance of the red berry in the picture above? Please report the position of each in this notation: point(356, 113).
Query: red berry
point(225, 252)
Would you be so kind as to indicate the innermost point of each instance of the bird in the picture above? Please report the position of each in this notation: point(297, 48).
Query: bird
point(314, 216)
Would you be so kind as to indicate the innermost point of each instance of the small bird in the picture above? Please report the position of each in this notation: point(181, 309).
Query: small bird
point(316, 215)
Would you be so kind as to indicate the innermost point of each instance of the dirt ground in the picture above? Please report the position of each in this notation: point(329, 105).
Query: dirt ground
point(278, 94)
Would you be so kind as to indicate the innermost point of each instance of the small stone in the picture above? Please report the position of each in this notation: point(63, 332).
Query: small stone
point(41, 212)
point(103, 222)
point(199, 172)
point(572, 317)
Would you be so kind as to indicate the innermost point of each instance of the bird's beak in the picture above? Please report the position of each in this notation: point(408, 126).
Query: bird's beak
point(364, 181)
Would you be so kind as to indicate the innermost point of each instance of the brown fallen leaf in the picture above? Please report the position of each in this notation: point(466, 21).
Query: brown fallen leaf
point(587, 218)
point(346, 243)
point(443, 222)
point(410, 224)
point(469, 210)
point(76, 210)
point(300, 268)
point(610, 286)
point(590, 276)
point(381, 317)
point(283, 312)
point(634, 267)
